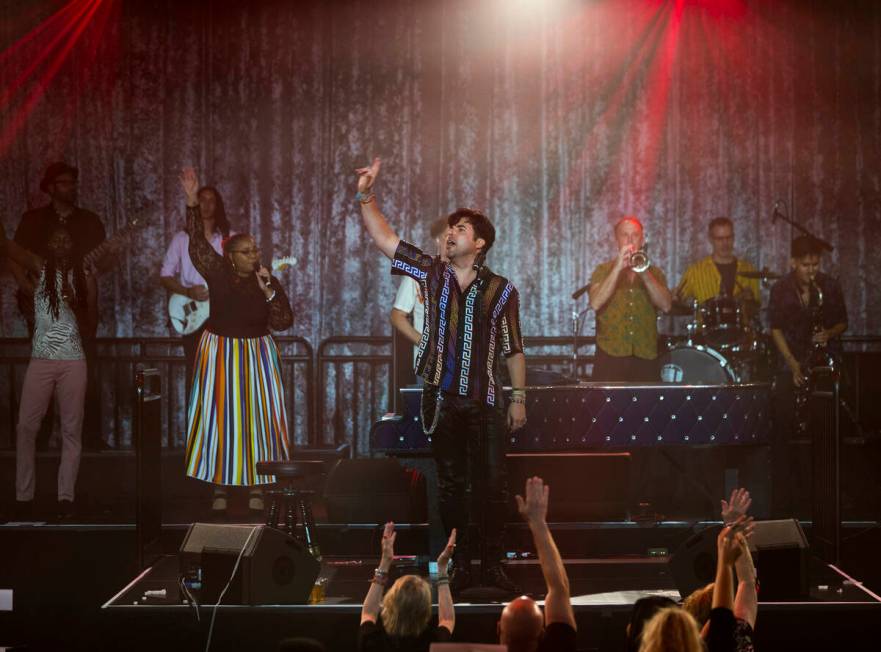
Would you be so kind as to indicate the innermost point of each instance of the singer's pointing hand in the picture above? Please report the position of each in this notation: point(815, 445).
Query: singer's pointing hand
point(367, 175)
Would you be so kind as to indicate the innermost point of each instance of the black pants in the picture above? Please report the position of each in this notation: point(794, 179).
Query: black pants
point(469, 450)
point(626, 369)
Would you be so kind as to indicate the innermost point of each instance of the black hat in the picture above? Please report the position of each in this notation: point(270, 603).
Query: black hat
point(56, 170)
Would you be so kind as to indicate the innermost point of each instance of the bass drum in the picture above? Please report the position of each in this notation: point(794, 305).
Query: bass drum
point(694, 364)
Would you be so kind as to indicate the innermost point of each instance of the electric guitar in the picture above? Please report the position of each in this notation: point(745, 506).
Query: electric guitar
point(112, 244)
point(187, 315)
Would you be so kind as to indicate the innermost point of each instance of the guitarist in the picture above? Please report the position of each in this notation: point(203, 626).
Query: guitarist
point(179, 276)
point(86, 232)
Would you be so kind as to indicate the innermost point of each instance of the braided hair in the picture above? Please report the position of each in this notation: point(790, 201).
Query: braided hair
point(51, 268)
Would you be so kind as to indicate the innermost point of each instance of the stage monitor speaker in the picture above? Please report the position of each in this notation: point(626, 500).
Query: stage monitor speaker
point(693, 564)
point(780, 553)
point(584, 486)
point(275, 567)
point(375, 491)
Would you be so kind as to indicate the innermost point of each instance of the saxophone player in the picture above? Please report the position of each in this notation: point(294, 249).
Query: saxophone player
point(806, 313)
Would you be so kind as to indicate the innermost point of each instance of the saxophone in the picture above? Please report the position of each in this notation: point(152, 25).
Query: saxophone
point(817, 356)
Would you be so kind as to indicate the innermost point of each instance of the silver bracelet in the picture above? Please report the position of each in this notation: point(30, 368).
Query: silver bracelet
point(272, 296)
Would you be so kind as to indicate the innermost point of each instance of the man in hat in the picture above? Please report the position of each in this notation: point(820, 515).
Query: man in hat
point(87, 232)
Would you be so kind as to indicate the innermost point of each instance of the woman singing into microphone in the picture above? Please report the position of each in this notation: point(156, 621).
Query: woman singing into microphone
point(236, 415)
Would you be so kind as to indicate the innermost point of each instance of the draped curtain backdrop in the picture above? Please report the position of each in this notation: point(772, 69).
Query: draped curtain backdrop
point(555, 117)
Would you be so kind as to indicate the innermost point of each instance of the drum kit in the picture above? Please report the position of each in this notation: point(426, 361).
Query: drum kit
point(724, 344)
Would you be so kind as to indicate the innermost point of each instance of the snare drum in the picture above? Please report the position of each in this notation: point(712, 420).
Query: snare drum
point(695, 364)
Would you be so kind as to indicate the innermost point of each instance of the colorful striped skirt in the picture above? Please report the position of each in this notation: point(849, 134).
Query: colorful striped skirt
point(237, 415)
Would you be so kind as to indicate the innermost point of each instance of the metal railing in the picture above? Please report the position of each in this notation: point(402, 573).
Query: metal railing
point(117, 360)
point(333, 394)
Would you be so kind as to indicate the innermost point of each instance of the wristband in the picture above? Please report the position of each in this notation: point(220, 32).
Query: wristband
point(442, 580)
point(365, 197)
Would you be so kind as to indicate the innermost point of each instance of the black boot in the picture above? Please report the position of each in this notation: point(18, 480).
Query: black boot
point(496, 577)
point(460, 575)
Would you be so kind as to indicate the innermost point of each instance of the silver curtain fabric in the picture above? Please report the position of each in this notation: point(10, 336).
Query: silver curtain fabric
point(556, 117)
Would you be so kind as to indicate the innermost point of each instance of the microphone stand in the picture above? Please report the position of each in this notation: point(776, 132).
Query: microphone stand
point(577, 323)
point(778, 214)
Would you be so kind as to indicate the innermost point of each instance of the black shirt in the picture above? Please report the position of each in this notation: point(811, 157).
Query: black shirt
point(238, 307)
point(373, 638)
point(86, 230)
point(558, 637)
point(721, 636)
point(788, 314)
point(464, 330)
point(727, 271)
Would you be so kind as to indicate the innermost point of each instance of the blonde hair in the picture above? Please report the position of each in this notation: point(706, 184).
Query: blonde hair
point(671, 630)
point(406, 607)
point(700, 603)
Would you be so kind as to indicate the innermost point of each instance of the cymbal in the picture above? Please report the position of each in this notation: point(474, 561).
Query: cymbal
point(765, 274)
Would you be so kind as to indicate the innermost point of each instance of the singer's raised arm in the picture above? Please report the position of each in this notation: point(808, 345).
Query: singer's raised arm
point(377, 226)
point(202, 254)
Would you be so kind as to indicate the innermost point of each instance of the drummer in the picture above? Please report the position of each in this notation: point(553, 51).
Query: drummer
point(720, 273)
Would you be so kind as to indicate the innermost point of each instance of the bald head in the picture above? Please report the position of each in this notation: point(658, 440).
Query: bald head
point(521, 624)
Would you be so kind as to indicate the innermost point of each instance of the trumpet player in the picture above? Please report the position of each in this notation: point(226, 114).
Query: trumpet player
point(627, 292)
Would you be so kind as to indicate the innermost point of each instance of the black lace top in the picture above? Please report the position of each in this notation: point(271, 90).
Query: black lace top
point(238, 305)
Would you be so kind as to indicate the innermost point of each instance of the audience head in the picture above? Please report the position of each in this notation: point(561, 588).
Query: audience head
point(672, 629)
point(642, 612)
point(406, 607)
point(700, 603)
point(521, 625)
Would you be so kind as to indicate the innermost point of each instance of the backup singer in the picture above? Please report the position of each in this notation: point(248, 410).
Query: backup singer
point(798, 324)
point(65, 307)
point(236, 416)
point(472, 316)
point(626, 304)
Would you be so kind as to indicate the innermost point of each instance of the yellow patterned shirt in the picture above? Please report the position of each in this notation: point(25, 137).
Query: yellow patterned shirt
point(702, 281)
point(628, 324)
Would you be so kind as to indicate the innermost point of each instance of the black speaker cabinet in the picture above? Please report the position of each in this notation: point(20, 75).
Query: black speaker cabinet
point(780, 553)
point(693, 564)
point(275, 568)
point(584, 486)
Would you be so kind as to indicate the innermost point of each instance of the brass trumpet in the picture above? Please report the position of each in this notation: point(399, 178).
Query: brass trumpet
point(639, 260)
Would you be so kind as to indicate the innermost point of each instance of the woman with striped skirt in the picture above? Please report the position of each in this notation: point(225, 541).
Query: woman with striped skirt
point(236, 415)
